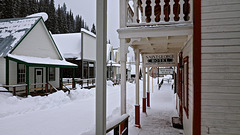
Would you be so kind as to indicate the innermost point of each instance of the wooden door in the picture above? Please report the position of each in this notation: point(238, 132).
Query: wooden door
point(38, 77)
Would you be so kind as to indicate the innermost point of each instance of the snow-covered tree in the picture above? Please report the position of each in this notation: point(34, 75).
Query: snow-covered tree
point(93, 29)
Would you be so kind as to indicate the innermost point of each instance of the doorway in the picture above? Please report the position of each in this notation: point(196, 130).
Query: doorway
point(38, 78)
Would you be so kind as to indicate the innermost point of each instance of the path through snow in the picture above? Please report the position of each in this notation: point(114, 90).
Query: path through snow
point(74, 114)
point(157, 121)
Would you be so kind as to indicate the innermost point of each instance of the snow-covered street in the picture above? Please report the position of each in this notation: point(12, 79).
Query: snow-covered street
point(74, 114)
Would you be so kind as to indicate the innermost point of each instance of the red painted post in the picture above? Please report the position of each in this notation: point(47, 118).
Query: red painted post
point(148, 99)
point(137, 116)
point(122, 126)
point(144, 105)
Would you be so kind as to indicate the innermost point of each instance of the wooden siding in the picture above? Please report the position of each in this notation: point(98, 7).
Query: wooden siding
point(37, 43)
point(220, 67)
point(89, 47)
point(187, 122)
point(2, 71)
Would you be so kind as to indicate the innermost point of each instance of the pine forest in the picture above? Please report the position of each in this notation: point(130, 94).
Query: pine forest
point(60, 20)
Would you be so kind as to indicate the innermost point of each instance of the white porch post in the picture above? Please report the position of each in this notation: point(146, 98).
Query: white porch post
point(101, 67)
point(148, 91)
point(123, 58)
point(123, 13)
point(144, 85)
point(137, 106)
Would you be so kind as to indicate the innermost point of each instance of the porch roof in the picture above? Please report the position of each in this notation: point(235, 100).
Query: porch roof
point(41, 62)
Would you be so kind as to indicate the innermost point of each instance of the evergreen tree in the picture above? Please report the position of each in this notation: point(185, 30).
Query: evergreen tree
point(59, 20)
point(9, 11)
point(52, 19)
point(86, 27)
point(2, 8)
point(41, 6)
point(64, 19)
point(93, 29)
point(78, 23)
point(72, 22)
point(46, 5)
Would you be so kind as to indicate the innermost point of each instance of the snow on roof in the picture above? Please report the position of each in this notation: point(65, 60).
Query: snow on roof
point(45, 61)
point(69, 44)
point(88, 32)
point(12, 31)
point(41, 14)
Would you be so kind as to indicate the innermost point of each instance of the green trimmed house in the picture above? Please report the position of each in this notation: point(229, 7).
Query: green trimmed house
point(29, 55)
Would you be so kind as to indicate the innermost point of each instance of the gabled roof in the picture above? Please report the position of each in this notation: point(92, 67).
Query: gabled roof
point(13, 30)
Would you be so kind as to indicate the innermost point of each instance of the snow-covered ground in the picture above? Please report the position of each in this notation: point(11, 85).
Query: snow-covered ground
point(74, 114)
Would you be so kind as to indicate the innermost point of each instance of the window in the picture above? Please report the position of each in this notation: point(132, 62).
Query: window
point(91, 70)
point(51, 74)
point(85, 69)
point(185, 85)
point(21, 73)
point(88, 69)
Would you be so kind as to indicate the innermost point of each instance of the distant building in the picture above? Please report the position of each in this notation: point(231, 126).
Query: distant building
point(113, 66)
point(78, 48)
point(28, 54)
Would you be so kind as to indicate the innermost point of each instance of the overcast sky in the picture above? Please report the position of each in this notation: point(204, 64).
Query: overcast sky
point(87, 9)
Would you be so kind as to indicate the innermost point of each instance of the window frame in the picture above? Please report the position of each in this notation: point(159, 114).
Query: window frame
point(52, 74)
point(186, 85)
point(21, 76)
point(91, 70)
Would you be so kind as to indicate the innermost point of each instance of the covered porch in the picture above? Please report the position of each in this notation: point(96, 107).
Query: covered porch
point(157, 40)
point(25, 74)
point(159, 47)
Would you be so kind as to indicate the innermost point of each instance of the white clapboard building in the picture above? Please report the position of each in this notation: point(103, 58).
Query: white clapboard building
point(201, 39)
point(78, 48)
point(29, 56)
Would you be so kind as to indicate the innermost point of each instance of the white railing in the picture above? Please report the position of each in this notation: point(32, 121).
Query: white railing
point(155, 12)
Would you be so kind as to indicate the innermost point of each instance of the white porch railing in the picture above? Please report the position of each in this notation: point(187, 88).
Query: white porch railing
point(157, 12)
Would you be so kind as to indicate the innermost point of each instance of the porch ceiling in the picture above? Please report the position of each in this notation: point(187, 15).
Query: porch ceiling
point(167, 44)
point(158, 38)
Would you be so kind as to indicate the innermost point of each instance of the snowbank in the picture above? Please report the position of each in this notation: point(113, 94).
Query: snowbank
point(74, 114)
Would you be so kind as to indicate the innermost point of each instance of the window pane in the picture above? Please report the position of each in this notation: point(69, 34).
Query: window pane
point(85, 69)
point(91, 70)
point(21, 73)
point(51, 74)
